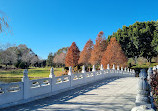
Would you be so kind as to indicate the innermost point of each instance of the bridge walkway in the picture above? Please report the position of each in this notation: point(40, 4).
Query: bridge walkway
point(116, 94)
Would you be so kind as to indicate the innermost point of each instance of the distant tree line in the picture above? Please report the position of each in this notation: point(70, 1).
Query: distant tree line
point(21, 57)
point(139, 40)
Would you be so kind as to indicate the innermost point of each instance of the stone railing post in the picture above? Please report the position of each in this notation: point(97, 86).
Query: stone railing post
point(101, 67)
point(26, 83)
point(70, 71)
point(128, 71)
point(121, 68)
point(143, 73)
point(113, 68)
point(51, 75)
point(83, 69)
point(142, 97)
point(118, 69)
point(150, 73)
point(71, 76)
point(93, 70)
point(108, 68)
point(125, 69)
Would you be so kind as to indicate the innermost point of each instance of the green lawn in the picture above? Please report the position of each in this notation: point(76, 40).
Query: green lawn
point(145, 65)
point(32, 72)
point(44, 72)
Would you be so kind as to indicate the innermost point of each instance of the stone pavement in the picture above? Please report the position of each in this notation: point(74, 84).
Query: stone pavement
point(116, 94)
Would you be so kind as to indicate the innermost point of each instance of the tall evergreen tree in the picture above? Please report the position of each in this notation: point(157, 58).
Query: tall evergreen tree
point(50, 59)
point(138, 40)
point(72, 55)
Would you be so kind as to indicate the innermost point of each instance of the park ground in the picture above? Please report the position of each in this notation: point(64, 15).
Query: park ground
point(33, 72)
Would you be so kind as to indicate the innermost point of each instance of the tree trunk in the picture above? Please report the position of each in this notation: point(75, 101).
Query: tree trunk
point(149, 59)
point(135, 59)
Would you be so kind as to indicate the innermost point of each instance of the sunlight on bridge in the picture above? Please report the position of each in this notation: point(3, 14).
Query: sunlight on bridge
point(115, 94)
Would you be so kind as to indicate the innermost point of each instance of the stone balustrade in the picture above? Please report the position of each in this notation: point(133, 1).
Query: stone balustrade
point(144, 98)
point(30, 90)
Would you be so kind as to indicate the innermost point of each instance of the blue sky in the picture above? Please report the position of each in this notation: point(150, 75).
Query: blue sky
point(48, 25)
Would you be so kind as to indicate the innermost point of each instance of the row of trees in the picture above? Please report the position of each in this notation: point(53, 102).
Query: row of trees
point(21, 56)
point(96, 54)
point(139, 40)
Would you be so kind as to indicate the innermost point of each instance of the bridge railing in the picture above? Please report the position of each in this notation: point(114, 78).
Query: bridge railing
point(144, 99)
point(29, 90)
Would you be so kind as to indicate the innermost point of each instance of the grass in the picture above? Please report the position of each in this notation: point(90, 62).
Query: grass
point(147, 65)
point(32, 72)
point(44, 72)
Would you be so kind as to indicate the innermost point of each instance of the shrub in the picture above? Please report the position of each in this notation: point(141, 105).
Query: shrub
point(66, 68)
point(131, 61)
point(22, 65)
point(17, 64)
point(155, 59)
point(141, 60)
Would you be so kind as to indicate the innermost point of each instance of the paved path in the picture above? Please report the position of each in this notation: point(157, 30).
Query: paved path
point(107, 95)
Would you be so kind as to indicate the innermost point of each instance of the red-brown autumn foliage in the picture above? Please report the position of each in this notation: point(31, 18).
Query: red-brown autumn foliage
point(99, 48)
point(72, 55)
point(114, 54)
point(86, 53)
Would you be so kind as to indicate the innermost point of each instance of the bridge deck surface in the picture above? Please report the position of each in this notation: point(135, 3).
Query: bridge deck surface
point(107, 95)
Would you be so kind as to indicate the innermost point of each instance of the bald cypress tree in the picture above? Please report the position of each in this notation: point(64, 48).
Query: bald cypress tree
point(114, 54)
point(86, 53)
point(98, 49)
point(72, 55)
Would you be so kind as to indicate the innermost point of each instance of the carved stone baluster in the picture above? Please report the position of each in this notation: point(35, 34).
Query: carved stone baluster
point(51, 75)
point(83, 69)
point(150, 73)
point(93, 70)
point(143, 89)
point(26, 82)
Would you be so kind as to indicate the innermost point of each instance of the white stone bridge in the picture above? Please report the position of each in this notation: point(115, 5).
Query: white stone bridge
point(103, 90)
